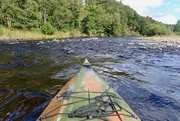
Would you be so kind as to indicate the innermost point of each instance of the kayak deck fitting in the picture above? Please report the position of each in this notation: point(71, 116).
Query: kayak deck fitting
point(87, 97)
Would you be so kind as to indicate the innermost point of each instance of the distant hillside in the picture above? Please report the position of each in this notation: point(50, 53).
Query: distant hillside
point(94, 17)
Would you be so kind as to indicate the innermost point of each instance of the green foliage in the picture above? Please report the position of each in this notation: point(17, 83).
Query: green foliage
point(1, 30)
point(78, 13)
point(47, 28)
point(156, 29)
point(109, 17)
point(62, 16)
point(178, 33)
point(177, 26)
point(1, 26)
point(150, 27)
point(93, 23)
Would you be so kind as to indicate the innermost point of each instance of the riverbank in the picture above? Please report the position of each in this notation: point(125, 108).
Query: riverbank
point(9, 35)
point(172, 39)
point(26, 35)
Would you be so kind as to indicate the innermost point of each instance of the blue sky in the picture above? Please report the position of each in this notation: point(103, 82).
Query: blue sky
point(166, 11)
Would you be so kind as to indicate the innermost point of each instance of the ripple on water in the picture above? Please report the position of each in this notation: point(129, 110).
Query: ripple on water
point(145, 73)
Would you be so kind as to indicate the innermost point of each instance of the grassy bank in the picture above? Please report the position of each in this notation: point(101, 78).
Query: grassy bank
point(11, 34)
point(7, 34)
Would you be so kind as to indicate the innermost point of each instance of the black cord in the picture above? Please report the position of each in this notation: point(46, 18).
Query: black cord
point(98, 102)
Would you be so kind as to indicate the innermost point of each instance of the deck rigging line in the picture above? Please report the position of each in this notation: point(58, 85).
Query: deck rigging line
point(99, 107)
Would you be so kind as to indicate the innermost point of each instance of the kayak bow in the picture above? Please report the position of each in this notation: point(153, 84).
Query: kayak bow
point(88, 97)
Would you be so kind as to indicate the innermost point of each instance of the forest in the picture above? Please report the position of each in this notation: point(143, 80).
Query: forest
point(93, 17)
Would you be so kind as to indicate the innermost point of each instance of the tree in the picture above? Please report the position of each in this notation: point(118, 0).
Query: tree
point(92, 23)
point(47, 28)
point(78, 11)
point(177, 26)
point(63, 15)
point(9, 12)
point(91, 16)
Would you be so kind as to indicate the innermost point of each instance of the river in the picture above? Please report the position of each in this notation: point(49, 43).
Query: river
point(145, 73)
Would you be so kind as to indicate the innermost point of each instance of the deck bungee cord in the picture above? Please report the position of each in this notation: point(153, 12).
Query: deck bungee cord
point(99, 107)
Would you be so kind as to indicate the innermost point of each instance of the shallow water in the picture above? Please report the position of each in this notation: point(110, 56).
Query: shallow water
point(145, 73)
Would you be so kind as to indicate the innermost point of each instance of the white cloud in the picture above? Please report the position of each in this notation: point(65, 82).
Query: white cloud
point(148, 8)
point(168, 19)
point(143, 3)
point(143, 6)
point(177, 10)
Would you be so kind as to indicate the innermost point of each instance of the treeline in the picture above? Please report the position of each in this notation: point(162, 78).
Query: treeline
point(108, 17)
point(177, 27)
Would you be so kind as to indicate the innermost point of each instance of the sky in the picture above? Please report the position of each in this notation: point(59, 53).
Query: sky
point(165, 11)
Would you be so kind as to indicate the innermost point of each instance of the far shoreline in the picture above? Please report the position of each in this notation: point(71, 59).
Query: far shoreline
point(165, 39)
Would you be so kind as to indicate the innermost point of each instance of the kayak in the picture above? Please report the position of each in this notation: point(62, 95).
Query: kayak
point(87, 96)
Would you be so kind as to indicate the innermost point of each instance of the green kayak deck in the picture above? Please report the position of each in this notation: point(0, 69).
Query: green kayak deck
point(87, 97)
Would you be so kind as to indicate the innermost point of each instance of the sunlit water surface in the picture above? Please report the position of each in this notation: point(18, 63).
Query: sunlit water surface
point(145, 73)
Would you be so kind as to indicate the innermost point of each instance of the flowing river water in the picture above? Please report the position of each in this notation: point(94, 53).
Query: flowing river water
point(145, 73)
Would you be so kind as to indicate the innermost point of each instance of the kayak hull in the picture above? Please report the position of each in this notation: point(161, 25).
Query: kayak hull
point(88, 97)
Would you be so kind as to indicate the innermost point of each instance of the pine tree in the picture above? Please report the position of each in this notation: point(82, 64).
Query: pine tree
point(177, 26)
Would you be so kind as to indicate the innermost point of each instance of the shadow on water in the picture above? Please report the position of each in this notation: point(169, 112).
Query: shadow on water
point(144, 73)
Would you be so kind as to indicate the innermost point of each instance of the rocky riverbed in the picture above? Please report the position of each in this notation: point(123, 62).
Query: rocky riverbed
point(5, 38)
point(166, 39)
point(170, 39)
